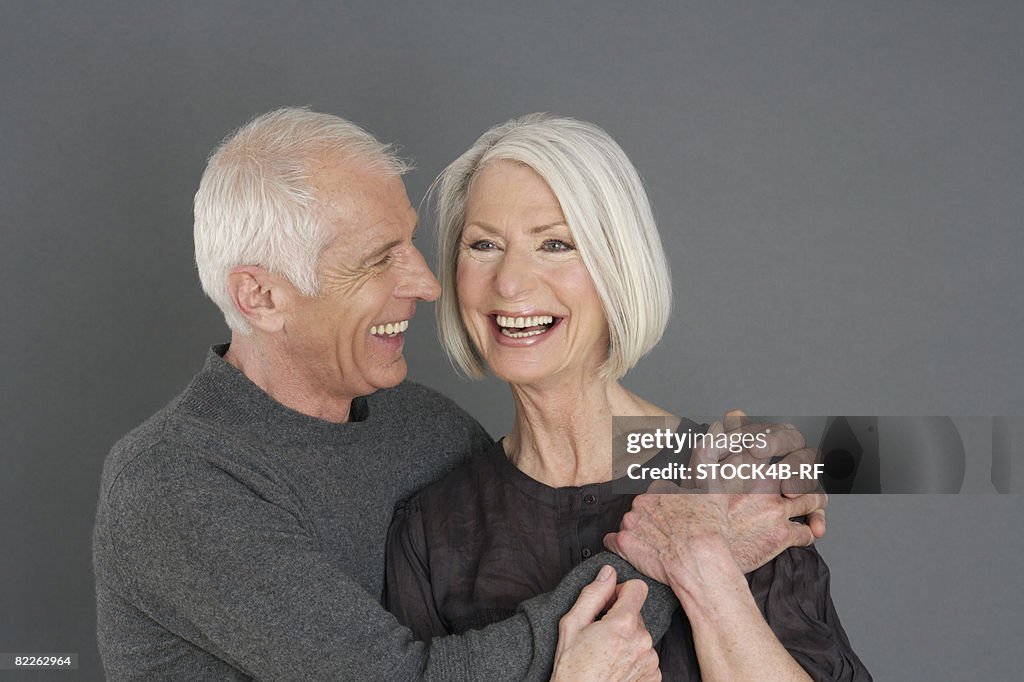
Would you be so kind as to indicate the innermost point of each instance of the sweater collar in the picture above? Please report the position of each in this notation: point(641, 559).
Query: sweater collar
point(221, 392)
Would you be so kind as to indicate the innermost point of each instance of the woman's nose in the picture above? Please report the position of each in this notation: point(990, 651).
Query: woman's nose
point(515, 277)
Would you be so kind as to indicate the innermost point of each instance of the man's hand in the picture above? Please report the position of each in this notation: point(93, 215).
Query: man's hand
point(670, 531)
point(783, 441)
point(665, 536)
point(761, 527)
point(614, 647)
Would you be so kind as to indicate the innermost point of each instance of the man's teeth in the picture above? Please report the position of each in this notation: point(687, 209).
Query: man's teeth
point(512, 326)
point(389, 329)
point(523, 321)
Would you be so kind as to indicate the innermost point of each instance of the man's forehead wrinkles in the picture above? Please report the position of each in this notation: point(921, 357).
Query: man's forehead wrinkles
point(368, 241)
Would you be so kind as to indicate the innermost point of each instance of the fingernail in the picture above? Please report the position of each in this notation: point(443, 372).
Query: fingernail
point(606, 572)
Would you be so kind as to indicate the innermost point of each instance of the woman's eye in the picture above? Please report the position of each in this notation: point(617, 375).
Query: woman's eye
point(482, 245)
point(557, 246)
point(383, 261)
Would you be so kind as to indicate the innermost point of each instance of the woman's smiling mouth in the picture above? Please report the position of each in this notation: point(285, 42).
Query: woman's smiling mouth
point(524, 327)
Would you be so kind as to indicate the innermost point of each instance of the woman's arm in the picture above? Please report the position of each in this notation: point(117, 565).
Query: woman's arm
point(407, 590)
point(685, 540)
point(732, 638)
point(794, 595)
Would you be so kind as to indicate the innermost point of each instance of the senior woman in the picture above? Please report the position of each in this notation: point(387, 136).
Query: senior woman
point(553, 276)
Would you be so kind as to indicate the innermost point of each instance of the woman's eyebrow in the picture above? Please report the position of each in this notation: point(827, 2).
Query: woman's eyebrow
point(549, 226)
point(532, 230)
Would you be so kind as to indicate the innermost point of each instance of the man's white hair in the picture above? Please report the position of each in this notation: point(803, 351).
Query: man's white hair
point(608, 214)
point(256, 203)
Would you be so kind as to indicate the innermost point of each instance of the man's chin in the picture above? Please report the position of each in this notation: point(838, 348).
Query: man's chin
point(392, 375)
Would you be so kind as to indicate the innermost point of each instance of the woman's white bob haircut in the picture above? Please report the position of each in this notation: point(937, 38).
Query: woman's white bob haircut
point(256, 203)
point(609, 216)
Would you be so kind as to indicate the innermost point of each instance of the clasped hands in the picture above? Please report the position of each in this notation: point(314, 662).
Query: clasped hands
point(669, 528)
point(683, 537)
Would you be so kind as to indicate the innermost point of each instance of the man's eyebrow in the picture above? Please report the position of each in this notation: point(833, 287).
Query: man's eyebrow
point(378, 253)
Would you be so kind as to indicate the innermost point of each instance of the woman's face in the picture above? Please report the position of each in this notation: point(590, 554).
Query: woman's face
point(525, 295)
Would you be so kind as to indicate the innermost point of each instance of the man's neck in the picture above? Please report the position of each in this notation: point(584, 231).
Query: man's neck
point(279, 379)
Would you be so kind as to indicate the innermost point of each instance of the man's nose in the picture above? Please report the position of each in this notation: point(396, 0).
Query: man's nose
point(420, 281)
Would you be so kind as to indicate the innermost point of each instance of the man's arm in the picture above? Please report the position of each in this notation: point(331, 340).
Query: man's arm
point(612, 646)
point(241, 575)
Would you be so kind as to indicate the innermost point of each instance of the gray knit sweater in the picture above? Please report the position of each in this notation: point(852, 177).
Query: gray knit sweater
point(237, 539)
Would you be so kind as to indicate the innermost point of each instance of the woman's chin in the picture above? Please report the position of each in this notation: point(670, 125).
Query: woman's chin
point(521, 374)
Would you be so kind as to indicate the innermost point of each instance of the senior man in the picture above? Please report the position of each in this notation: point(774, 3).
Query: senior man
point(240, 530)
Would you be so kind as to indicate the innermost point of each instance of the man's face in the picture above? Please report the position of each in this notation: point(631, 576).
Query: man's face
point(348, 341)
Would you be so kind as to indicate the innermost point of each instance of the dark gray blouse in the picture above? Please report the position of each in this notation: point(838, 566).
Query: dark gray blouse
point(466, 550)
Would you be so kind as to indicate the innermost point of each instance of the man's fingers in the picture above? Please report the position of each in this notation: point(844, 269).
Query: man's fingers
point(593, 599)
point(663, 487)
point(805, 480)
point(735, 419)
point(611, 542)
point(802, 505)
point(802, 455)
point(709, 454)
point(800, 535)
point(816, 522)
point(770, 440)
point(629, 598)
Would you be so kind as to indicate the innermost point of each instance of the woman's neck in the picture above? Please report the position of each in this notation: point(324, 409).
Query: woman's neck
point(562, 435)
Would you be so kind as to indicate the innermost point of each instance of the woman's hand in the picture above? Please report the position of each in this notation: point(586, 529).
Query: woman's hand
point(615, 646)
point(676, 537)
point(667, 535)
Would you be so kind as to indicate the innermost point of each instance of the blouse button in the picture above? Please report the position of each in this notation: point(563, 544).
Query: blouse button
point(586, 552)
point(589, 499)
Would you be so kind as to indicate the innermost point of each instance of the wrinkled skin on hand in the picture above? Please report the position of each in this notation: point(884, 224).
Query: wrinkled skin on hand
point(671, 528)
point(784, 442)
point(616, 646)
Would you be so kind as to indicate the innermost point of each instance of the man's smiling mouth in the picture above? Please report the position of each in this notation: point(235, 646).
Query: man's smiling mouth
point(389, 329)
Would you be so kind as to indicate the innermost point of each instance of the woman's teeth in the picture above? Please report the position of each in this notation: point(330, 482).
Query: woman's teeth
point(389, 329)
point(524, 327)
point(522, 335)
point(523, 321)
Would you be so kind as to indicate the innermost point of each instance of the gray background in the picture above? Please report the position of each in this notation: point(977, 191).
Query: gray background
point(839, 187)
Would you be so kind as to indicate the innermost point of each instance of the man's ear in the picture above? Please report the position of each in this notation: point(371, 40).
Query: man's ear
point(259, 295)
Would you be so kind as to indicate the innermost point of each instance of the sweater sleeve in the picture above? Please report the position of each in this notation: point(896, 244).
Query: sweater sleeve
point(229, 563)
